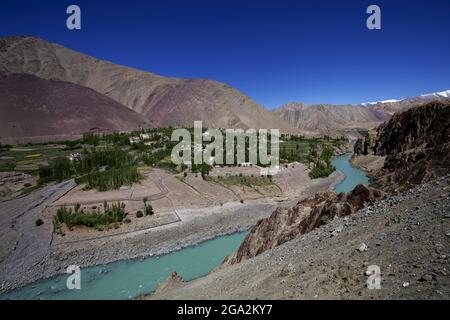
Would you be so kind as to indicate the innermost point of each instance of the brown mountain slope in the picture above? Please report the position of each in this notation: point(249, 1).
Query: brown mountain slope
point(31, 106)
point(165, 101)
point(330, 117)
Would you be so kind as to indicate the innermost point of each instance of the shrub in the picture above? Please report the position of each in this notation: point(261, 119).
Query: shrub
point(27, 185)
point(148, 209)
point(39, 222)
point(139, 214)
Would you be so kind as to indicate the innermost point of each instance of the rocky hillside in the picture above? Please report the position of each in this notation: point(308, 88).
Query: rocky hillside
point(407, 236)
point(415, 144)
point(329, 118)
point(164, 101)
point(286, 224)
point(32, 107)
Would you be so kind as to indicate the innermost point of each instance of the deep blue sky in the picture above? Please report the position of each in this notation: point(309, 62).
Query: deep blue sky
point(274, 51)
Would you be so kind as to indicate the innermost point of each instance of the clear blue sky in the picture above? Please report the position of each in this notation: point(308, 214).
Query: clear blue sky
point(274, 51)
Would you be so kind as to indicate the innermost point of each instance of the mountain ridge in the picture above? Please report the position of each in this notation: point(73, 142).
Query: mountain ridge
point(168, 101)
point(348, 117)
point(165, 101)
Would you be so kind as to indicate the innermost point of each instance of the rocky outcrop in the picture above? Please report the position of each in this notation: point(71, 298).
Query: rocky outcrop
point(364, 146)
point(172, 281)
point(286, 224)
point(416, 144)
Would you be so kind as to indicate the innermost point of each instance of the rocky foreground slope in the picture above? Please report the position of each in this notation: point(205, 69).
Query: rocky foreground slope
point(407, 236)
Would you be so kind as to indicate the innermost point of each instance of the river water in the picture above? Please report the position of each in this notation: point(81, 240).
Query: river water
point(353, 176)
point(131, 278)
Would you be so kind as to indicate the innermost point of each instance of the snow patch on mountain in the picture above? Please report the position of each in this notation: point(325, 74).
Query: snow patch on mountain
point(442, 94)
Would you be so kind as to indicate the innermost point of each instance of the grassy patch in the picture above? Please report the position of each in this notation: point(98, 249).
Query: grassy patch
point(247, 181)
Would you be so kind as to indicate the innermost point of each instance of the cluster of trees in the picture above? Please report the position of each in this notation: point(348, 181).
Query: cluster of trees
point(323, 166)
point(111, 157)
point(5, 147)
point(111, 214)
point(321, 170)
point(118, 164)
point(111, 179)
point(203, 169)
point(92, 139)
point(118, 139)
point(58, 169)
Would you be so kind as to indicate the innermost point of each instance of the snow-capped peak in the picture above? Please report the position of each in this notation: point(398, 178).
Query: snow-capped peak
point(442, 94)
point(376, 102)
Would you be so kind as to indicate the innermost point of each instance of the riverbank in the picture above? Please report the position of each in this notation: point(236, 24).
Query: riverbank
point(197, 225)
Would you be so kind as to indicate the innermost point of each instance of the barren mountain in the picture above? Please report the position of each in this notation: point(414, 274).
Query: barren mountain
point(326, 118)
point(32, 107)
point(165, 101)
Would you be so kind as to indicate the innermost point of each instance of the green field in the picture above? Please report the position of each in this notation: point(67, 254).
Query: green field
point(28, 158)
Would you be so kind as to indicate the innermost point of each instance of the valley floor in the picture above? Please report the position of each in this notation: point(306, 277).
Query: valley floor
point(407, 237)
point(200, 211)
